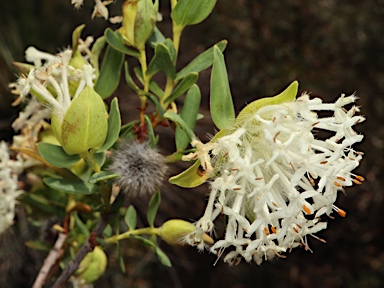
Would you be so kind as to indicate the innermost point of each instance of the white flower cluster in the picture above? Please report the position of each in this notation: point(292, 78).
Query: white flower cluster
point(274, 179)
point(9, 190)
point(50, 82)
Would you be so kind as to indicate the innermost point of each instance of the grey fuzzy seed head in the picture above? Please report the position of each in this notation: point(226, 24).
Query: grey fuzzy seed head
point(141, 168)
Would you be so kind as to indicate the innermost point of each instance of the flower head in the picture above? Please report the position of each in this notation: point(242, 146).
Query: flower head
point(274, 178)
point(141, 168)
point(9, 190)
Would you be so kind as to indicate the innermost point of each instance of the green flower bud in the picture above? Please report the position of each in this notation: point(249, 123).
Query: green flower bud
point(92, 267)
point(174, 231)
point(139, 19)
point(84, 125)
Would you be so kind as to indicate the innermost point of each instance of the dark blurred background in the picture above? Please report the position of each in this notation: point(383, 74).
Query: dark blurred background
point(330, 47)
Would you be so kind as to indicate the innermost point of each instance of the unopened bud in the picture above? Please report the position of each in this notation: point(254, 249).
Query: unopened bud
point(92, 267)
point(139, 19)
point(173, 231)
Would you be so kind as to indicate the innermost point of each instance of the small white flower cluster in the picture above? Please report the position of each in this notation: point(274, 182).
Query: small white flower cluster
point(9, 190)
point(50, 82)
point(273, 179)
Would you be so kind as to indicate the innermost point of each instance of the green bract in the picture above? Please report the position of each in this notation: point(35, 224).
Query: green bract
point(84, 125)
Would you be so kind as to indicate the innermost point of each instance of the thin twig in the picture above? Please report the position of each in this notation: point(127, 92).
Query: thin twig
point(90, 244)
point(52, 258)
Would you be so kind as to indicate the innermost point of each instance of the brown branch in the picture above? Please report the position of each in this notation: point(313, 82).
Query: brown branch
point(90, 244)
point(52, 258)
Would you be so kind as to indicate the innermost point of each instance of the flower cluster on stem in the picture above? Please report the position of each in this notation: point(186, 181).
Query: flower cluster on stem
point(277, 173)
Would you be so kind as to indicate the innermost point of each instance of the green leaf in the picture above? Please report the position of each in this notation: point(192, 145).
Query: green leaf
point(221, 105)
point(75, 186)
point(288, 95)
point(190, 178)
point(99, 158)
point(76, 36)
point(189, 115)
point(102, 176)
point(56, 155)
point(110, 72)
point(163, 258)
point(162, 61)
point(130, 218)
point(151, 133)
point(128, 78)
point(202, 61)
point(157, 104)
point(83, 228)
point(189, 12)
point(180, 122)
point(127, 132)
point(152, 84)
point(156, 38)
point(115, 40)
point(38, 245)
point(114, 124)
point(153, 207)
point(97, 47)
point(169, 43)
point(183, 86)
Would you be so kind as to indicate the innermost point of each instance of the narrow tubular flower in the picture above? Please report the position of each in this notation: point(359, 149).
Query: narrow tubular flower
point(141, 168)
point(274, 179)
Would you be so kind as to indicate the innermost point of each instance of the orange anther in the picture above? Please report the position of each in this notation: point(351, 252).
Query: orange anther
point(341, 178)
point(356, 181)
point(273, 229)
point(294, 229)
point(259, 178)
point(323, 162)
point(360, 178)
point(311, 181)
point(266, 231)
point(341, 212)
point(337, 184)
point(306, 210)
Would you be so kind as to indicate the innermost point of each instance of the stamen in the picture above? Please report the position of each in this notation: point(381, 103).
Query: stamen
point(266, 231)
point(306, 210)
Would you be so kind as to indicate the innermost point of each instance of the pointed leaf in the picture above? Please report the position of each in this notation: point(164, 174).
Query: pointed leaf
point(130, 217)
point(97, 47)
point(128, 78)
point(151, 133)
point(183, 86)
point(110, 72)
point(76, 36)
point(102, 176)
point(202, 61)
point(162, 61)
point(221, 105)
point(152, 208)
point(70, 185)
point(156, 38)
point(56, 156)
point(115, 40)
point(114, 125)
point(189, 12)
point(180, 122)
point(189, 115)
point(163, 258)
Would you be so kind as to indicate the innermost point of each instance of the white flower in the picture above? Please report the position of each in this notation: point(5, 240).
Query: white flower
point(55, 76)
point(9, 190)
point(274, 178)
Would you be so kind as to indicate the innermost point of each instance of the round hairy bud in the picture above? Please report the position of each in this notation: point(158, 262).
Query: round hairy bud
point(141, 168)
